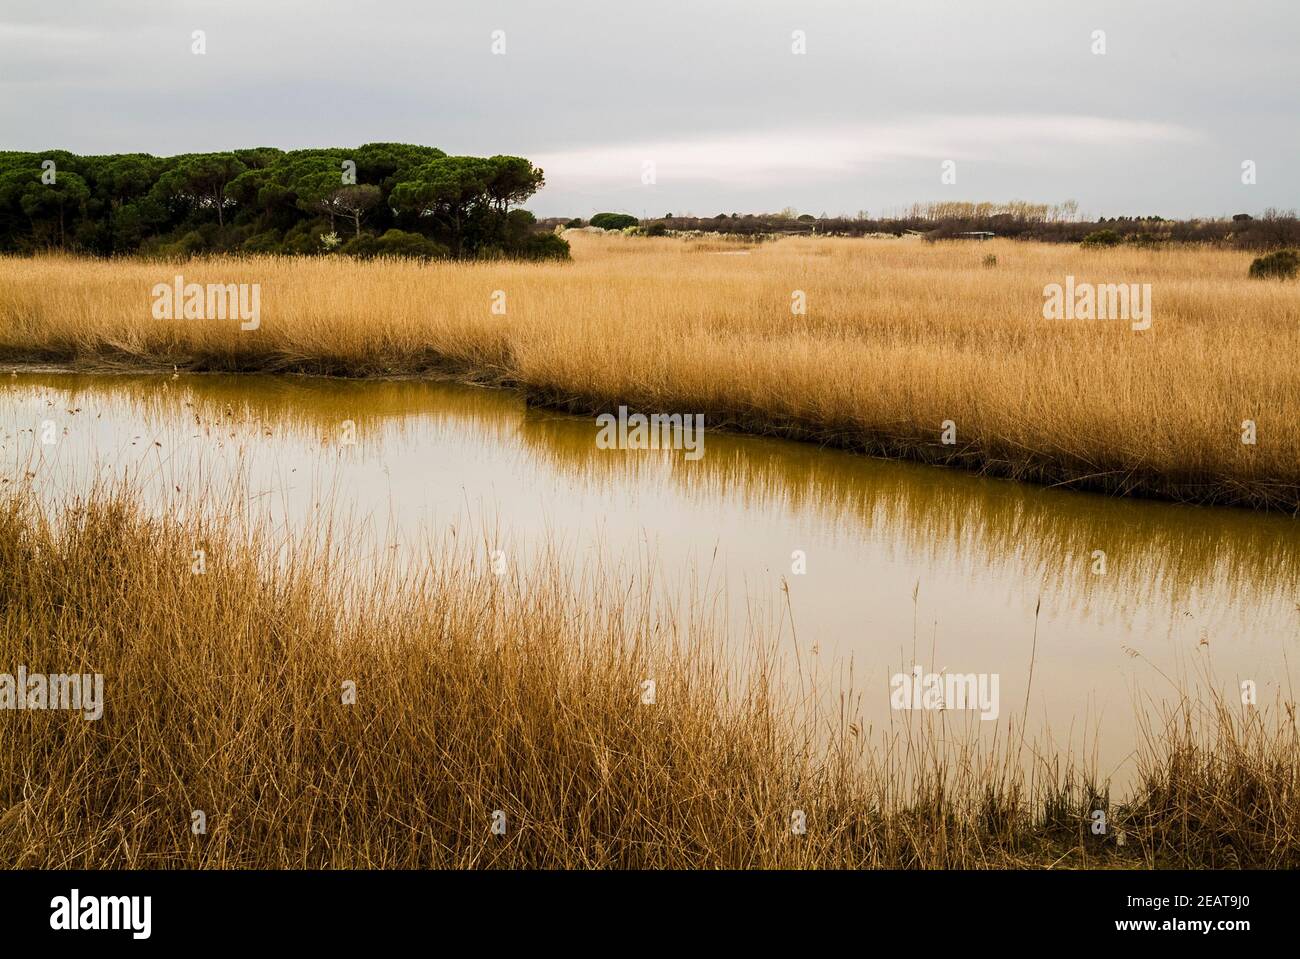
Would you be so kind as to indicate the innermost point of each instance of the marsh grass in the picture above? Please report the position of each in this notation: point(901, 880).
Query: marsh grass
point(478, 693)
point(898, 338)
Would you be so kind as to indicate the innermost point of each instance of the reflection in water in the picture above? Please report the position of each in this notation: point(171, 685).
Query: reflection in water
point(905, 563)
point(1157, 552)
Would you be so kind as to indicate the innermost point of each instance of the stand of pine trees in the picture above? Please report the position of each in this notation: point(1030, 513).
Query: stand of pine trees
point(377, 199)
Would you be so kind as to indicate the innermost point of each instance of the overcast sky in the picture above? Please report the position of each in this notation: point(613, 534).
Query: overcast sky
point(709, 91)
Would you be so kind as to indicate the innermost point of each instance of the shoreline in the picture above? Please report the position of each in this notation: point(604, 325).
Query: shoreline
point(921, 354)
point(1033, 470)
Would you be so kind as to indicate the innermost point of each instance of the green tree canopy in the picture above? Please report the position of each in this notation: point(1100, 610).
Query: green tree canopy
point(267, 200)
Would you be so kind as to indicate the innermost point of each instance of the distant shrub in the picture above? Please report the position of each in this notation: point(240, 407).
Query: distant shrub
point(396, 243)
point(613, 221)
point(574, 224)
point(656, 229)
point(400, 243)
point(299, 243)
point(267, 242)
point(363, 247)
point(990, 260)
point(543, 246)
point(1102, 238)
point(190, 244)
point(1281, 265)
point(303, 238)
point(1145, 240)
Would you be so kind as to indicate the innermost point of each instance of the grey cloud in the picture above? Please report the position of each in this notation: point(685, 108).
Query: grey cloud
point(584, 77)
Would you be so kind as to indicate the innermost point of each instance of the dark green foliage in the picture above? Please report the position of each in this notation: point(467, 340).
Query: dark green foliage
point(1103, 238)
point(1146, 241)
point(544, 246)
point(382, 199)
point(613, 221)
point(1280, 265)
point(397, 243)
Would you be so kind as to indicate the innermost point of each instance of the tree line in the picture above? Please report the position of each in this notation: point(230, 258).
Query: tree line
point(377, 199)
point(1274, 229)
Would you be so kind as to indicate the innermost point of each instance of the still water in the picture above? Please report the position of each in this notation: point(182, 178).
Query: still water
point(886, 564)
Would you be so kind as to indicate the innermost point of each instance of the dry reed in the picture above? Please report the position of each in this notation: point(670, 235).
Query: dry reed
point(476, 693)
point(898, 338)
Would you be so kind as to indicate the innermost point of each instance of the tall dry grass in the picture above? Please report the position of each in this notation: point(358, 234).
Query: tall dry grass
point(898, 338)
point(224, 693)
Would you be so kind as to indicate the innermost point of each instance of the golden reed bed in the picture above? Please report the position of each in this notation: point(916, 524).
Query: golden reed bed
point(898, 337)
point(227, 737)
